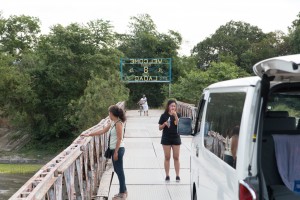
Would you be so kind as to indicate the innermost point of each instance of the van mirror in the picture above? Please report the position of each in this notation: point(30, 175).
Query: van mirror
point(184, 126)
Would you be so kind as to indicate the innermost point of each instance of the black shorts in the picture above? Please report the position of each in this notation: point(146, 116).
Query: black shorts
point(173, 140)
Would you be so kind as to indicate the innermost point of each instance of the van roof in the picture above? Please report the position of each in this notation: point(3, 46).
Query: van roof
point(240, 82)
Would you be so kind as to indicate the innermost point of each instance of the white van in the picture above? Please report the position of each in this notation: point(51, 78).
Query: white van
point(246, 142)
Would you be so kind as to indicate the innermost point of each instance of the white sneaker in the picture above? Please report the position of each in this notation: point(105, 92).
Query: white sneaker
point(126, 193)
point(120, 196)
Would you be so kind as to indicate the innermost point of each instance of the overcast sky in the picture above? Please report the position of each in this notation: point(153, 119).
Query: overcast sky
point(193, 19)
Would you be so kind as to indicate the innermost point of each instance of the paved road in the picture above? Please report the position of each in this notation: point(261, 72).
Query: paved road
point(143, 162)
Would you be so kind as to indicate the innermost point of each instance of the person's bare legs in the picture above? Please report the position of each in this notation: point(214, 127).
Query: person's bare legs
point(176, 152)
point(167, 152)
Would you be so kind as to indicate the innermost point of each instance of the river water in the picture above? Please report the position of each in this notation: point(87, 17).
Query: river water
point(11, 183)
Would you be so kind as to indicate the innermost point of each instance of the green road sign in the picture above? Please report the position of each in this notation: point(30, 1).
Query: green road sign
point(137, 70)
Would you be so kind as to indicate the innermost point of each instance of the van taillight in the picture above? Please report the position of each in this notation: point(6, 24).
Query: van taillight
point(245, 191)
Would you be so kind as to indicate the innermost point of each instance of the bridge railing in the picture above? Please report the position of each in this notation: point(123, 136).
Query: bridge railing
point(187, 110)
point(73, 174)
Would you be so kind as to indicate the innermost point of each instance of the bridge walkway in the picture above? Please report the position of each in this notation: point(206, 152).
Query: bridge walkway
point(144, 162)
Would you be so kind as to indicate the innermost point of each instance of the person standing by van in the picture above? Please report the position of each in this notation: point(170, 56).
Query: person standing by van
point(234, 143)
point(231, 144)
point(170, 139)
point(115, 128)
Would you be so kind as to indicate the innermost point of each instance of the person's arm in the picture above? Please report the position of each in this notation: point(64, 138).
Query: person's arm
point(174, 113)
point(97, 132)
point(119, 127)
point(162, 126)
point(234, 145)
point(162, 123)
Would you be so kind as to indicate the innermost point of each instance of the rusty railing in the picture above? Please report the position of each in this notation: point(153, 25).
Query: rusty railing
point(73, 174)
point(187, 110)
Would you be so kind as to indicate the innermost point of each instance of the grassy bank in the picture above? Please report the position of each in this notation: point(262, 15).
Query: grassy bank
point(43, 151)
point(19, 168)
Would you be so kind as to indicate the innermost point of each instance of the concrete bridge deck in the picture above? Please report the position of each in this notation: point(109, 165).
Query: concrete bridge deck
point(80, 171)
point(144, 162)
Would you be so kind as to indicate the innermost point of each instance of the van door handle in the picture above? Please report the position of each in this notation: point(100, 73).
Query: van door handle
point(197, 151)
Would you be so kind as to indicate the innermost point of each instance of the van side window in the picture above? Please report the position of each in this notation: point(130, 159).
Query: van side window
point(283, 111)
point(223, 118)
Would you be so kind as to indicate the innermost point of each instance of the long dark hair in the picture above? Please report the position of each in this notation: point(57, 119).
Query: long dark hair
point(117, 112)
point(168, 104)
point(235, 131)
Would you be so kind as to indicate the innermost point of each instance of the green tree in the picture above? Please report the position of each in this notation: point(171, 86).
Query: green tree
point(232, 39)
point(61, 68)
point(17, 99)
point(99, 94)
point(271, 45)
point(294, 36)
point(18, 34)
point(296, 22)
point(295, 40)
point(103, 37)
point(190, 86)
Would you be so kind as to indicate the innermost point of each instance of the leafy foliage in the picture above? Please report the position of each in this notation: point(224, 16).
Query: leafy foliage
point(99, 94)
point(197, 80)
point(17, 99)
point(18, 34)
point(245, 43)
point(70, 55)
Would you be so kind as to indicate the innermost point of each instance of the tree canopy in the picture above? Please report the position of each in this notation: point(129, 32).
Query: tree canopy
point(244, 43)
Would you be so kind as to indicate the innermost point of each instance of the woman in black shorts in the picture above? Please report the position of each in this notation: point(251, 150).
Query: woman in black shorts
point(170, 138)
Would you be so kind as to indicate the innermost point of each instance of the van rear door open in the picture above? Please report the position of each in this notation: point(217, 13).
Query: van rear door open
point(285, 68)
